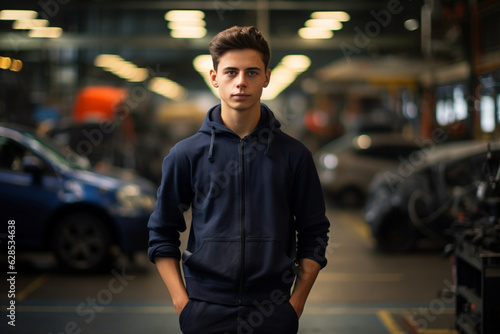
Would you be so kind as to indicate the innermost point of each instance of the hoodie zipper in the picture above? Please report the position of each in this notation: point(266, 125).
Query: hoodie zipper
point(242, 219)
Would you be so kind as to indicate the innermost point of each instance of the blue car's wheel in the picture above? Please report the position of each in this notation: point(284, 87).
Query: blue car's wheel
point(81, 242)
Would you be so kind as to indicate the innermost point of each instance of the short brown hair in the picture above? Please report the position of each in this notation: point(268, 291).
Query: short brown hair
point(239, 38)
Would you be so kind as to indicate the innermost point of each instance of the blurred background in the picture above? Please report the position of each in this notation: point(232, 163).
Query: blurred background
point(399, 101)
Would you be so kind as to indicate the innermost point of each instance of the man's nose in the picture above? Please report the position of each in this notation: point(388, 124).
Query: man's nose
point(241, 80)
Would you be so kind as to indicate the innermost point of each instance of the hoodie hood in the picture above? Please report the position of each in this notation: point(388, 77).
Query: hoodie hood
point(213, 126)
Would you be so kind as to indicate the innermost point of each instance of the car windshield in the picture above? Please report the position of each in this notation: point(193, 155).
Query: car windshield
point(61, 155)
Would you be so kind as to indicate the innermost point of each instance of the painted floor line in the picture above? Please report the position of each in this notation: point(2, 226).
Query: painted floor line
point(37, 283)
point(358, 226)
point(389, 323)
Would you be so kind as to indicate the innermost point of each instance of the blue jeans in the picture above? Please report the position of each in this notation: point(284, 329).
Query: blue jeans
point(200, 317)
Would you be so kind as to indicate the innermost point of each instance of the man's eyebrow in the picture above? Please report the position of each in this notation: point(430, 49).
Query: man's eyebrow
point(230, 68)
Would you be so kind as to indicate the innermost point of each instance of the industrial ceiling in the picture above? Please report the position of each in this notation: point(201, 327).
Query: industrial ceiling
point(139, 32)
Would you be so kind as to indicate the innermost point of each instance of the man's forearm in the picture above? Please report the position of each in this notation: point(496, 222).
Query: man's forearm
point(308, 271)
point(170, 273)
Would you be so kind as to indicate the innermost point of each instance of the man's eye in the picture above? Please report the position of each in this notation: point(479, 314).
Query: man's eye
point(231, 72)
point(252, 73)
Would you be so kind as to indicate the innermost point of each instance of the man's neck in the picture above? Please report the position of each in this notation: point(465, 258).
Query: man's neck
point(241, 122)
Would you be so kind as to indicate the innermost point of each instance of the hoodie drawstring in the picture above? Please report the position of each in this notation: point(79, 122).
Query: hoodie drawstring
point(211, 150)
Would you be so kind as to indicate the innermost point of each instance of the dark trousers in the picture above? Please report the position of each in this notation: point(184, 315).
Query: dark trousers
point(200, 317)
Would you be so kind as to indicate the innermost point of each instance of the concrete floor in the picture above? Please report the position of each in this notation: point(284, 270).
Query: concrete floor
point(360, 291)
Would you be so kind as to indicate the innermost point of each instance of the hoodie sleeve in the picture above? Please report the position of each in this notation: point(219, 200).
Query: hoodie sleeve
point(309, 209)
point(173, 199)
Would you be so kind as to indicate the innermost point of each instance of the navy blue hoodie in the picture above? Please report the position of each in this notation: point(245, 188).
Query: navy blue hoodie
point(257, 207)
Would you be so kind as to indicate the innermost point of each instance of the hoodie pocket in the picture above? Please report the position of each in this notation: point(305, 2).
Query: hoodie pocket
point(265, 259)
point(216, 260)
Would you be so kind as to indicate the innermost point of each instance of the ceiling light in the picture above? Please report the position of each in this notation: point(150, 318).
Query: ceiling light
point(203, 64)
point(139, 75)
point(331, 24)
point(337, 15)
point(16, 65)
point(411, 24)
point(29, 24)
point(184, 15)
point(107, 61)
point(167, 88)
point(188, 32)
point(121, 68)
point(363, 142)
point(124, 69)
point(45, 32)
point(315, 33)
point(282, 76)
point(186, 23)
point(297, 63)
point(5, 62)
point(17, 14)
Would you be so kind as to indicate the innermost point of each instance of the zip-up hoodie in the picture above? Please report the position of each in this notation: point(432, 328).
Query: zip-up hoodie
point(257, 207)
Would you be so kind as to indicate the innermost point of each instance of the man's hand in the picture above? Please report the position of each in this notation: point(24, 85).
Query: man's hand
point(308, 271)
point(179, 305)
point(170, 273)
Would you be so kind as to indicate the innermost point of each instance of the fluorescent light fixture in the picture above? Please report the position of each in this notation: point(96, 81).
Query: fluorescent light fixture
point(45, 32)
point(167, 88)
point(282, 76)
point(188, 32)
point(8, 14)
point(296, 63)
point(322, 24)
point(203, 64)
point(124, 69)
point(139, 75)
point(330, 24)
point(121, 68)
point(186, 23)
point(337, 15)
point(315, 33)
point(29, 24)
point(184, 15)
point(107, 61)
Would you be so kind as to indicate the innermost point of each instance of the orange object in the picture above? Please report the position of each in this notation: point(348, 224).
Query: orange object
point(97, 103)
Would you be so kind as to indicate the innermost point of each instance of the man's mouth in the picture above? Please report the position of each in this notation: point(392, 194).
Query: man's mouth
point(241, 95)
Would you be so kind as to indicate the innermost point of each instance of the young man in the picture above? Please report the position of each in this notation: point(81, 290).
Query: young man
point(258, 214)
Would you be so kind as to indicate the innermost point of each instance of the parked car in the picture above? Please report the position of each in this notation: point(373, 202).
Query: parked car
point(422, 199)
point(347, 164)
point(57, 203)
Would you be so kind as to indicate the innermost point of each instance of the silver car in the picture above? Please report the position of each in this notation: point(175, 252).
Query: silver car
point(347, 164)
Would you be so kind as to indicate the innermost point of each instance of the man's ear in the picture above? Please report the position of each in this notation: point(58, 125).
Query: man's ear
point(213, 78)
point(268, 78)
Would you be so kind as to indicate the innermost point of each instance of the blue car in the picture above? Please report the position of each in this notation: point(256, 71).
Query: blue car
point(52, 200)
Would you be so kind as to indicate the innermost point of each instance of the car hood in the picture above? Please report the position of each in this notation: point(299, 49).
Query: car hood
point(111, 182)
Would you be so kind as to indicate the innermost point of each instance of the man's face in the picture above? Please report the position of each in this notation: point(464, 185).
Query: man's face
point(240, 77)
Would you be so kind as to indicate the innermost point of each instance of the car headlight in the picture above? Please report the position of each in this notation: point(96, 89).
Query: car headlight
point(132, 198)
point(329, 161)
